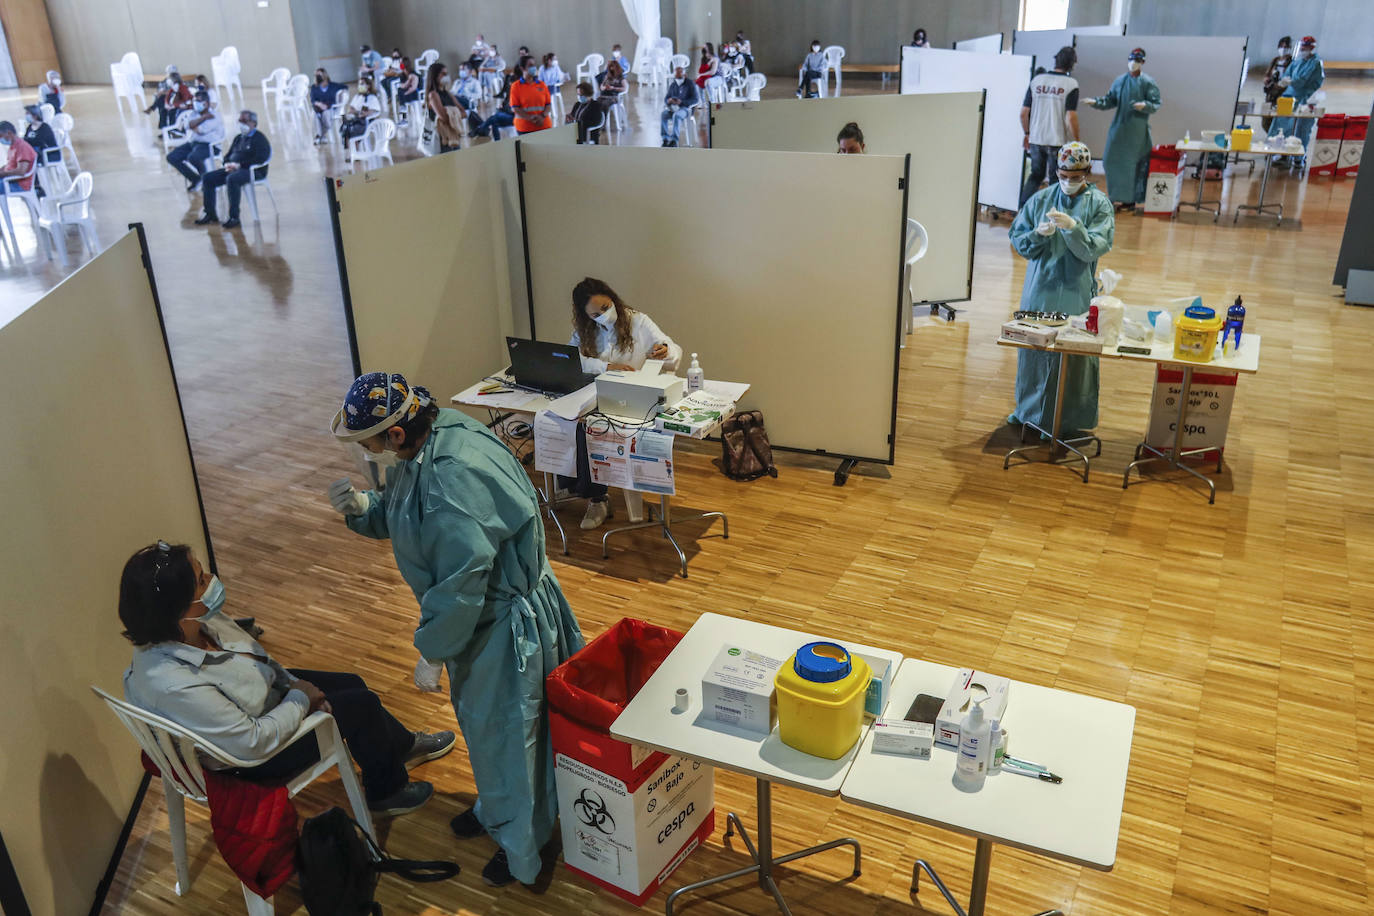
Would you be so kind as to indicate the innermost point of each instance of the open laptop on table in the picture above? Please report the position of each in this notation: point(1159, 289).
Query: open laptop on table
point(545, 366)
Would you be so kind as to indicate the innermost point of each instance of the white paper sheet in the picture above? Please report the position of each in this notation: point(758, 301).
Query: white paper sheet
point(555, 444)
point(732, 391)
point(651, 462)
point(572, 406)
point(608, 456)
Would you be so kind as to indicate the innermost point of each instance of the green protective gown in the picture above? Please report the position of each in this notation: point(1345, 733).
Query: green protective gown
point(1060, 277)
point(464, 525)
point(1127, 156)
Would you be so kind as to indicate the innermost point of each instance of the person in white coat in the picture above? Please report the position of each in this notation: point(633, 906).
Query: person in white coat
point(610, 336)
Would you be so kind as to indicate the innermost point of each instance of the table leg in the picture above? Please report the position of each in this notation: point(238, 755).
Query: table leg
point(978, 892)
point(1176, 459)
point(1198, 203)
point(764, 861)
point(1261, 206)
point(549, 499)
point(665, 524)
point(1054, 441)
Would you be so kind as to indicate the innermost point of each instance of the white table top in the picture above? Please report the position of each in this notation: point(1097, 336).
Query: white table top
point(1256, 149)
point(1269, 111)
point(649, 718)
point(1085, 740)
point(1246, 359)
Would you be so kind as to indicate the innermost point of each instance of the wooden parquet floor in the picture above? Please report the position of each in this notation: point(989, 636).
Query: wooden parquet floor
point(1243, 632)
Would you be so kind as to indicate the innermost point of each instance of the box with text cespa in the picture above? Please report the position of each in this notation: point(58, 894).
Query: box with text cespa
point(738, 690)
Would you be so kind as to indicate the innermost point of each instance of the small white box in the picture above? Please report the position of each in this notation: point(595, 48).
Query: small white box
point(1028, 332)
point(962, 693)
point(1077, 341)
point(637, 395)
point(898, 736)
point(879, 686)
point(738, 690)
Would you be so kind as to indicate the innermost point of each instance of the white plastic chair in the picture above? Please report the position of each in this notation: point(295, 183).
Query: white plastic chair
point(917, 243)
point(336, 115)
point(293, 102)
point(618, 110)
point(46, 112)
point(62, 124)
point(274, 85)
point(715, 90)
point(70, 208)
point(833, 55)
point(225, 70)
point(688, 134)
point(30, 199)
point(259, 173)
point(126, 76)
point(423, 63)
point(374, 145)
point(176, 752)
point(176, 133)
point(753, 87)
point(591, 65)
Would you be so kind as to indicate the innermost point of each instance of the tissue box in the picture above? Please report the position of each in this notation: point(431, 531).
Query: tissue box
point(879, 685)
point(738, 690)
point(957, 702)
point(898, 736)
point(1077, 341)
point(1026, 332)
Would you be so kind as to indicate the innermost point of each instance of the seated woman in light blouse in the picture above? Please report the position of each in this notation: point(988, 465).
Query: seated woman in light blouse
point(609, 335)
point(194, 665)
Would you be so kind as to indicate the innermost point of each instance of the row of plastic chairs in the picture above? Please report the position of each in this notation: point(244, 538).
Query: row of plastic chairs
point(126, 76)
point(225, 71)
point(834, 54)
point(67, 202)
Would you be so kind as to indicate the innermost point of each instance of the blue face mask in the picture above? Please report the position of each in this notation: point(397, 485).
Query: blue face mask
point(213, 599)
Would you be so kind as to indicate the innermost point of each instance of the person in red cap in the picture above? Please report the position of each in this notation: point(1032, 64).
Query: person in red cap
point(1126, 160)
point(1303, 77)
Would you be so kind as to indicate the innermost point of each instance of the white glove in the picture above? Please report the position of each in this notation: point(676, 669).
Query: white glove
point(1045, 228)
point(345, 499)
point(1062, 220)
point(1286, 82)
point(1140, 106)
point(1090, 101)
point(427, 675)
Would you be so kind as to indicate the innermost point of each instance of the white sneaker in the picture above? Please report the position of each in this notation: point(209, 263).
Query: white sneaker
point(597, 513)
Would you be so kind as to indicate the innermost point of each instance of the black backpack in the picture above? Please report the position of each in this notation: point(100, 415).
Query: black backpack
point(338, 865)
point(744, 450)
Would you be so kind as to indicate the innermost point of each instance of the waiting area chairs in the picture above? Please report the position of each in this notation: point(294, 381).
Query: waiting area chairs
point(127, 78)
point(373, 146)
point(58, 212)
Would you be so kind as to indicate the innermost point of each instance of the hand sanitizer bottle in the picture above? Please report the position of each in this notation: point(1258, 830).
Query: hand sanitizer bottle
point(975, 736)
point(695, 377)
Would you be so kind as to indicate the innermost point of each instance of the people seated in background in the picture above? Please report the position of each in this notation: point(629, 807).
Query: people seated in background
point(467, 90)
point(206, 131)
point(50, 92)
point(491, 72)
point(393, 69)
point(919, 39)
point(195, 666)
point(478, 54)
point(709, 67)
point(617, 56)
point(730, 57)
point(850, 140)
point(613, 85)
point(589, 116)
point(20, 161)
point(371, 62)
point(448, 111)
point(172, 99)
point(678, 101)
point(1273, 77)
point(550, 74)
point(250, 148)
point(746, 50)
point(40, 136)
point(324, 95)
point(407, 89)
point(530, 100)
point(813, 68)
point(362, 108)
point(609, 335)
point(503, 116)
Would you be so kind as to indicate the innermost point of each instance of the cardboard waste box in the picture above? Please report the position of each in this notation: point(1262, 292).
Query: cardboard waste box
point(1165, 183)
point(630, 816)
point(1352, 145)
point(1325, 151)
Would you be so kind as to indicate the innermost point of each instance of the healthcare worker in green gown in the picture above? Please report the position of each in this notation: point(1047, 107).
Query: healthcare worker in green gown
point(1135, 96)
point(464, 526)
point(1061, 232)
point(1303, 77)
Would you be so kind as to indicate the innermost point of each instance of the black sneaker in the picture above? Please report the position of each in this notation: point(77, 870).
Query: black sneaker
point(232, 223)
point(496, 873)
point(411, 796)
point(207, 220)
point(429, 747)
point(466, 826)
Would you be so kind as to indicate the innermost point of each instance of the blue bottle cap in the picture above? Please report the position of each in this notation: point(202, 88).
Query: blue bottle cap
point(1200, 312)
point(821, 662)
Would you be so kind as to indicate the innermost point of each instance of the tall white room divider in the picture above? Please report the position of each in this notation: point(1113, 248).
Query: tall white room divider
point(983, 44)
point(1042, 44)
point(1199, 82)
point(782, 270)
point(1005, 78)
point(944, 173)
point(98, 466)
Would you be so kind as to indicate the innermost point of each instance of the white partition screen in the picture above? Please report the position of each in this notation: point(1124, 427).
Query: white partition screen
point(1005, 78)
point(1199, 82)
point(944, 175)
point(434, 302)
point(782, 270)
point(1043, 44)
point(984, 44)
point(98, 466)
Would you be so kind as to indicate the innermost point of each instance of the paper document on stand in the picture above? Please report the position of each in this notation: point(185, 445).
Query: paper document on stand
point(731, 391)
point(573, 406)
point(651, 463)
point(555, 444)
point(608, 457)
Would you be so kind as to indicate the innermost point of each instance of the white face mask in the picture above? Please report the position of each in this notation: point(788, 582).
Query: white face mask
point(381, 459)
point(199, 106)
point(1071, 186)
point(56, 81)
point(1304, 53)
point(245, 129)
point(606, 319)
point(815, 48)
point(1135, 66)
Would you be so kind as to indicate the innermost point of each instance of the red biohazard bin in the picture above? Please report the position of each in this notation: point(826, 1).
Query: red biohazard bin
point(1326, 146)
point(629, 815)
point(1162, 186)
point(1352, 145)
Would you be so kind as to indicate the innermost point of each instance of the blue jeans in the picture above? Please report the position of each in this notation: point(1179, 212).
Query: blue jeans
point(490, 127)
point(233, 182)
point(1042, 166)
point(196, 153)
point(670, 125)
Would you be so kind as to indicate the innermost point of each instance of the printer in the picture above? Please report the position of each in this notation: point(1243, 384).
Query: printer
point(637, 395)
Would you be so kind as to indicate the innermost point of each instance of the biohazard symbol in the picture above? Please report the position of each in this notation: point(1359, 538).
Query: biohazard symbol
point(1161, 188)
point(591, 810)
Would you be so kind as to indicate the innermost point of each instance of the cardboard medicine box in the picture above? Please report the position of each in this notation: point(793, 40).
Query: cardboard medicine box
point(738, 690)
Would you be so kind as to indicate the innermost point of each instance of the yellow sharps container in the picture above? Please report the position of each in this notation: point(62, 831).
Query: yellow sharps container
point(821, 692)
point(1284, 105)
point(1195, 334)
point(1240, 139)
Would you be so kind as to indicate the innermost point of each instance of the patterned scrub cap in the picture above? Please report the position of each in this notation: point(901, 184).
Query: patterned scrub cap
point(375, 402)
point(1137, 54)
point(1075, 155)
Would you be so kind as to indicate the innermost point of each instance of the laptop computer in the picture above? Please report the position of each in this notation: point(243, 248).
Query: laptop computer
point(547, 366)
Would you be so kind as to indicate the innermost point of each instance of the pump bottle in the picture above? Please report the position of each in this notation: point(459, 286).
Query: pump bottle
point(695, 377)
point(975, 749)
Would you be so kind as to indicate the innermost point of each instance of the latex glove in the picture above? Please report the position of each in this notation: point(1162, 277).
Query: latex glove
point(1286, 82)
point(1090, 101)
point(345, 499)
point(1046, 228)
point(428, 675)
point(1140, 106)
point(1062, 220)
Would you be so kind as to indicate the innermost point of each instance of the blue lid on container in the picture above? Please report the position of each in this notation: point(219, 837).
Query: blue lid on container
point(1200, 312)
point(821, 662)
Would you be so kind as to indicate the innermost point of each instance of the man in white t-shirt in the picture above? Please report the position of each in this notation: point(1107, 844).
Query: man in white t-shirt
point(1049, 117)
